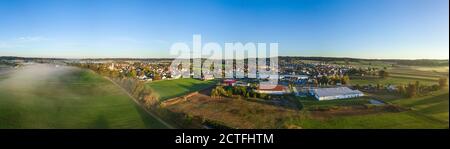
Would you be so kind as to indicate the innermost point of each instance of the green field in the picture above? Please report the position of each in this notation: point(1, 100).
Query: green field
point(310, 102)
point(401, 120)
point(45, 96)
point(394, 80)
point(404, 75)
point(167, 89)
point(434, 106)
point(431, 111)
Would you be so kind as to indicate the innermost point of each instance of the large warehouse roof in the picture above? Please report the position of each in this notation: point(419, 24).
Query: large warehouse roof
point(324, 92)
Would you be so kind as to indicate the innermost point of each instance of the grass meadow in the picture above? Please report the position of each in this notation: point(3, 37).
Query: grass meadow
point(167, 89)
point(45, 96)
point(404, 75)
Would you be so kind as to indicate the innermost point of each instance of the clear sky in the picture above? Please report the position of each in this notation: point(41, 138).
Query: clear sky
point(406, 29)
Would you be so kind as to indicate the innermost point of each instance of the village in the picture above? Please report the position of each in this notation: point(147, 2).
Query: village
point(319, 80)
point(317, 88)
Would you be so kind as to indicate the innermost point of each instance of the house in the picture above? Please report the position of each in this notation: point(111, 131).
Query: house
point(335, 93)
point(277, 90)
point(176, 76)
point(241, 83)
point(297, 79)
point(208, 77)
point(229, 82)
point(111, 67)
point(142, 77)
point(391, 88)
point(294, 77)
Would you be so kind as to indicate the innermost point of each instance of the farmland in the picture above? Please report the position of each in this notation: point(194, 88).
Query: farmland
point(45, 96)
point(426, 111)
point(167, 89)
point(372, 121)
point(393, 79)
point(234, 113)
point(434, 106)
point(423, 111)
point(404, 75)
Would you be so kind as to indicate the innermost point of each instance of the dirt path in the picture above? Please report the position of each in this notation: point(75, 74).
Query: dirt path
point(140, 105)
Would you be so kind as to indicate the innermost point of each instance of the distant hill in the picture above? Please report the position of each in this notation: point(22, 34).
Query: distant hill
point(418, 62)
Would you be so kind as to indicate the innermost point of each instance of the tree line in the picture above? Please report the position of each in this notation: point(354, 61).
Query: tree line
point(136, 88)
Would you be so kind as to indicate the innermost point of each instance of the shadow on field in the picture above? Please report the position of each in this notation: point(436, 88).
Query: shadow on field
point(148, 121)
point(100, 122)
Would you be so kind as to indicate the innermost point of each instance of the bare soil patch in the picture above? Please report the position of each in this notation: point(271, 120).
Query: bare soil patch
point(235, 113)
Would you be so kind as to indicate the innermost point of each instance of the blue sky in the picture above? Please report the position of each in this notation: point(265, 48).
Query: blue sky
point(406, 29)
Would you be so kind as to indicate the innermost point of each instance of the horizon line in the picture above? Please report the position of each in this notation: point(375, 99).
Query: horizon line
point(50, 57)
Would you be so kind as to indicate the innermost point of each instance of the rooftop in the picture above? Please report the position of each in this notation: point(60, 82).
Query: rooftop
point(276, 88)
point(323, 92)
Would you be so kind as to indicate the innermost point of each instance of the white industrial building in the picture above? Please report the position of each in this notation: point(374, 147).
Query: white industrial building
point(335, 93)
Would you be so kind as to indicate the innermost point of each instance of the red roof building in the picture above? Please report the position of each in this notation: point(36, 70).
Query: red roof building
point(229, 82)
point(278, 90)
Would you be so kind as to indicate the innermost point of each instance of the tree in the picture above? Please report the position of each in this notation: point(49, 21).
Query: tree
point(383, 73)
point(417, 84)
point(214, 93)
point(114, 74)
point(332, 80)
point(443, 82)
point(324, 80)
point(229, 93)
point(357, 86)
point(316, 83)
point(150, 100)
point(157, 76)
point(435, 87)
point(138, 88)
point(218, 91)
point(243, 90)
point(133, 73)
point(401, 89)
point(254, 94)
point(380, 86)
point(345, 80)
point(263, 96)
point(411, 90)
